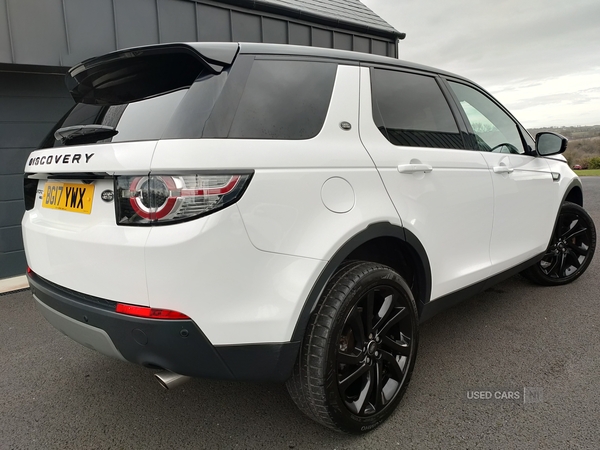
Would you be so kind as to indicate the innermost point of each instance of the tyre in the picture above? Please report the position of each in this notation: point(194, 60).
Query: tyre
point(359, 349)
point(570, 251)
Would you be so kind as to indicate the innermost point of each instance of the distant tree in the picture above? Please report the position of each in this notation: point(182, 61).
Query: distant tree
point(594, 163)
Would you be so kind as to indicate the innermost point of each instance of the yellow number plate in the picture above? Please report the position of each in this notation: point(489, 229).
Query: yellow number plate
point(68, 197)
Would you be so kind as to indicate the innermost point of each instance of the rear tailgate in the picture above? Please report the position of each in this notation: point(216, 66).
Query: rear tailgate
point(70, 233)
point(124, 102)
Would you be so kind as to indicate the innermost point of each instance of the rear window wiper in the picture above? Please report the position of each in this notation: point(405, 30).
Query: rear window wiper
point(84, 134)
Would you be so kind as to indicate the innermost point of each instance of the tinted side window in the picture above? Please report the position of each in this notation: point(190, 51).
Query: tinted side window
point(284, 100)
point(410, 110)
point(494, 130)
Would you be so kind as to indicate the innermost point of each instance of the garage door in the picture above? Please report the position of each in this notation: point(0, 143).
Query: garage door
point(30, 103)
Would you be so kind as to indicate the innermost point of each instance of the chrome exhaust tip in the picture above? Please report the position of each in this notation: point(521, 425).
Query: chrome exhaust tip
point(169, 380)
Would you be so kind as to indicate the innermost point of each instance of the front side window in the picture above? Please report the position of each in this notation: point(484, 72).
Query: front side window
point(410, 110)
point(494, 130)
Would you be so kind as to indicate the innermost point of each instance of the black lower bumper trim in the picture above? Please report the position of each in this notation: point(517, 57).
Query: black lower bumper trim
point(175, 345)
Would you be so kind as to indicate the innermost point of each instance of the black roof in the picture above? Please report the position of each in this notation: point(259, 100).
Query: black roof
point(343, 55)
point(216, 55)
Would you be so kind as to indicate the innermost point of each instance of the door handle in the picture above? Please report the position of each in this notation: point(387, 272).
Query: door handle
point(503, 169)
point(414, 168)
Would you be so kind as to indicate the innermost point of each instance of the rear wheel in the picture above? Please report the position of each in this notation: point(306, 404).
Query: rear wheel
point(570, 251)
point(359, 349)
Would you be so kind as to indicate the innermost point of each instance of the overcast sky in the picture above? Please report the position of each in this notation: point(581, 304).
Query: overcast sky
point(540, 58)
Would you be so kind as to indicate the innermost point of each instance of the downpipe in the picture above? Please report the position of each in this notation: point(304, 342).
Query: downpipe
point(169, 380)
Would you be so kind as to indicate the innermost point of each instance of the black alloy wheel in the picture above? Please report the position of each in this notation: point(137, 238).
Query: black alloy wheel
point(359, 350)
point(570, 251)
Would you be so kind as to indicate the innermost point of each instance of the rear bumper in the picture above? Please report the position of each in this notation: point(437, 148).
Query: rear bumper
point(175, 345)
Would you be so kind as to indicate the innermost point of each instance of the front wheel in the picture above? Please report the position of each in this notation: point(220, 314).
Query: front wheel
point(359, 349)
point(570, 251)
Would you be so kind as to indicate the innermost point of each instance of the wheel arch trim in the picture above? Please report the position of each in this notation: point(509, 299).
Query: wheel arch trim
point(574, 184)
point(373, 231)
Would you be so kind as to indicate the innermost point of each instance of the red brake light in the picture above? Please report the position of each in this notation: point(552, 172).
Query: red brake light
point(150, 313)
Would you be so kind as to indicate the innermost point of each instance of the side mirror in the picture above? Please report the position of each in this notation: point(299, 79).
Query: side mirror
point(547, 143)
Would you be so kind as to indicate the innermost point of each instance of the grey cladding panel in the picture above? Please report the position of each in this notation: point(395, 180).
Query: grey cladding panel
point(38, 31)
point(65, 32)
point(246, 27)
point(14, 84)
point(12, 160)
point(379, 47)
point(274, 31)
point(213, 23)
point(361, 44)
point(137, 22)
point(91, 29)
point(11, 213)
point(33, 109)
point(322, 38)
point(348, 11)
point(343, 41)
point(23, 134)
point(299, 34)
point(12, 264)
point(11, 187)
point(11, 240)
point(177, 21)
point(5, 52)
point(30, 105)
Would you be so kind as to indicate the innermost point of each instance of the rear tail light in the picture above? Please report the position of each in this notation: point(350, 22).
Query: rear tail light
point(162, 199)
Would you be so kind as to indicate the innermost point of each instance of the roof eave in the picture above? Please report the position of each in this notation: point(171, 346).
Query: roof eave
point(389, 33)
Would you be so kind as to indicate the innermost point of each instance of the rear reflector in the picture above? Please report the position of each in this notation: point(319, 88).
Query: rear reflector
point(150, 313)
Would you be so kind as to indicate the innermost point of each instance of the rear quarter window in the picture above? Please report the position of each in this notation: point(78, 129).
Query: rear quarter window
point(284, 100)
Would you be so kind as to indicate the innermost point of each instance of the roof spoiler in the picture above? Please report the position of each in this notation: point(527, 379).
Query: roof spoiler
point(142, 72)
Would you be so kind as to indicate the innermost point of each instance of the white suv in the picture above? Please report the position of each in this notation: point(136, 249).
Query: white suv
point(280, 213)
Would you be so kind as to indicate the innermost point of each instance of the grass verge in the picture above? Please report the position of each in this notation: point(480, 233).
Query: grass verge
point(588, 173)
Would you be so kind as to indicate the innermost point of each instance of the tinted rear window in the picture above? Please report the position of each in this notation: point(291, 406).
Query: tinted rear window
point(136, 121)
